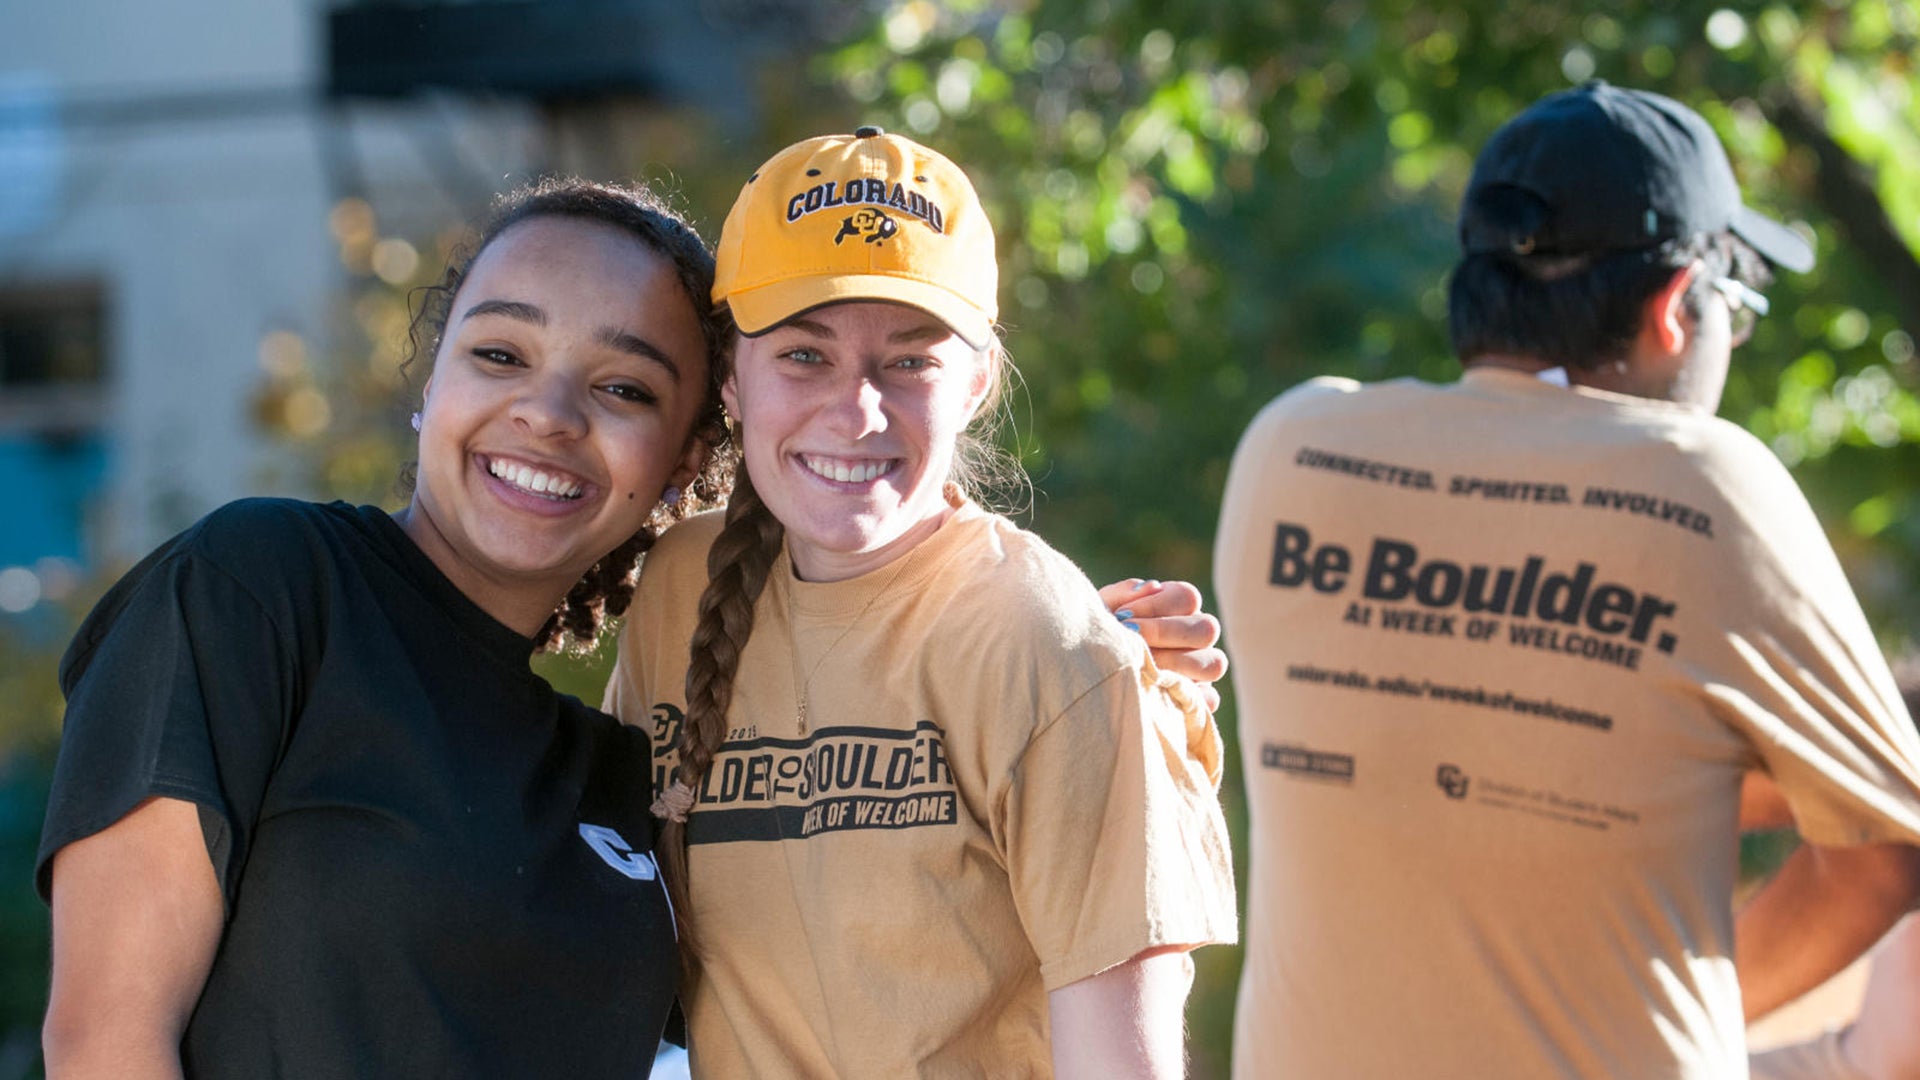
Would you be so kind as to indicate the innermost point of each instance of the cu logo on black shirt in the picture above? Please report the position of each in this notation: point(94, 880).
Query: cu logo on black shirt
point(1452, 781)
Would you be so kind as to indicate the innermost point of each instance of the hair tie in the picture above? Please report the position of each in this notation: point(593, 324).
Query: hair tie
point(674, 803)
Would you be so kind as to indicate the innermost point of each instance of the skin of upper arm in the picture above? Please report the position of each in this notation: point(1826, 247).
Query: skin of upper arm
point(1762, 806)
point(1127, 1021)
point(137, 917)
point(1827, 906)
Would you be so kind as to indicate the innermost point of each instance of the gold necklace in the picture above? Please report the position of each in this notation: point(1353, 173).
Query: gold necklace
point(802, 687)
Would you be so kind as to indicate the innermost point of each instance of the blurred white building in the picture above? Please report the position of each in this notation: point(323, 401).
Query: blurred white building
point(167, 172)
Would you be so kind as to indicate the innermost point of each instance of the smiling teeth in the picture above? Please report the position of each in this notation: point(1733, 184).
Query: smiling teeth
point(857, 472)
point(534, 481)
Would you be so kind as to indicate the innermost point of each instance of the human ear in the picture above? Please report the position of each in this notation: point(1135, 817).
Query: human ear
point(1665, 315)
point(730, 397)
point(692, 459)
point(986, 369)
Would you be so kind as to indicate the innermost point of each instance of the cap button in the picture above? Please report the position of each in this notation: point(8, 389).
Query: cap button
point(868, 131)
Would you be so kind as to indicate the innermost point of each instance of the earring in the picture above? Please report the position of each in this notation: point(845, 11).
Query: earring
point(416, 422)
point(670, 496)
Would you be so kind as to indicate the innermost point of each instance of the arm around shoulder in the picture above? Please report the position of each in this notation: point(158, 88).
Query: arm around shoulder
point(137, 918)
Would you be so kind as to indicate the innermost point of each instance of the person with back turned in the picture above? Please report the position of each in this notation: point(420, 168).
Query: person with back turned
point(1507, 646)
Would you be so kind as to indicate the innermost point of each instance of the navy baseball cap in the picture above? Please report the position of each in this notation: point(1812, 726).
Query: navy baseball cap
point(1602, 168)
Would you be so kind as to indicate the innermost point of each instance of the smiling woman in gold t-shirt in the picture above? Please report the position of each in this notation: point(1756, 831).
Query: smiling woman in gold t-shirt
point(936, 811)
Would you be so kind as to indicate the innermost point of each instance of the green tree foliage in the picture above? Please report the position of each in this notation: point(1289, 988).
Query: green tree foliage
point(1201, 204)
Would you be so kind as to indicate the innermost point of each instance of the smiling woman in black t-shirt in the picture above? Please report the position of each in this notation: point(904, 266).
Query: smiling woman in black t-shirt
point(314, 816)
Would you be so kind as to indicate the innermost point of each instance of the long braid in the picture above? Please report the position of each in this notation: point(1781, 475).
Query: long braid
point(737, 569)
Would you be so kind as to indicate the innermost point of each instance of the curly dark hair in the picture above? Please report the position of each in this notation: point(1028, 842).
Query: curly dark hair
point(606, 589)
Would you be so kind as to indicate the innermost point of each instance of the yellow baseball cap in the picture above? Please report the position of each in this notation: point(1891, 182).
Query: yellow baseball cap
point(867, 216)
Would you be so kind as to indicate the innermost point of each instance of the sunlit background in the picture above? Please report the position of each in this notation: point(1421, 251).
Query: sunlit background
point(211, 213)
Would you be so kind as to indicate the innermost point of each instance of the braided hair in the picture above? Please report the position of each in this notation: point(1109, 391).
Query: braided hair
point(738, 564)
point(606, 589)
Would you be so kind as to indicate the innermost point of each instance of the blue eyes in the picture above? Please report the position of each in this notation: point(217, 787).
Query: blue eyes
point(810, 357)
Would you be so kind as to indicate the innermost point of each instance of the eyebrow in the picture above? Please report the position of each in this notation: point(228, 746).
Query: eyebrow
point(512, 309)
point(635, 345)
point(611, 336)
point(931, 330)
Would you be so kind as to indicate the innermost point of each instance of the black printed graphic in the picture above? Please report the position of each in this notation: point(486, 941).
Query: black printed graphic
point(836, 778)
point(873, 192)
point(872, 226)
point(1507, 490)
point(1538, 603)
point(1498, 700)
point(1556, 806)
point(1379, 472)
point(1653, 506)
point(1452, 781)
point(1300, 761)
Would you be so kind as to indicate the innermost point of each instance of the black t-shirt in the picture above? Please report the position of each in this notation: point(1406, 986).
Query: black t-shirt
point(434, 865)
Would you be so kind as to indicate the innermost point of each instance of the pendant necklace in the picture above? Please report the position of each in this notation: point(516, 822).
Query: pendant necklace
point(802, 684)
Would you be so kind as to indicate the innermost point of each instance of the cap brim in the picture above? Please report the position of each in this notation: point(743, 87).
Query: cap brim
point(1778, 244)
point(758, 310)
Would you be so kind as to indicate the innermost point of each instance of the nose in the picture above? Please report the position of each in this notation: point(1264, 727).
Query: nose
point(858, 409)
point(550, 408)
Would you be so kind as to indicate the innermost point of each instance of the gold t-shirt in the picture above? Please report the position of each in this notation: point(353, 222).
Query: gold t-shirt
point(1502, 651)
point(996, 794)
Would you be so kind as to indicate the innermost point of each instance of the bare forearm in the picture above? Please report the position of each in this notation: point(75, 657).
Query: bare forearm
point(1825, 908)
point(109, 1052)
point(1128, 1021)
point(137, 915)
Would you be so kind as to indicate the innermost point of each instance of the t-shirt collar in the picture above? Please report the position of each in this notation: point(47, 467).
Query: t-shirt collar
point(855, 594)
point(495, 637)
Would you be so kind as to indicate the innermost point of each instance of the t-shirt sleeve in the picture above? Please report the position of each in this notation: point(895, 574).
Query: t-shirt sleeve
point(1818, 1058)
point(178, 685)
point(1804, 679)
point(1112, 830)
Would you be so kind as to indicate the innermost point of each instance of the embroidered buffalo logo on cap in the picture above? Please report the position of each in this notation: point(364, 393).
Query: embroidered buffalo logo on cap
point(871, 225)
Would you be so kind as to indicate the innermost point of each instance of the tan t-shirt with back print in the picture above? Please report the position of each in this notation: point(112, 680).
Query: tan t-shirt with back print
point(993, 798)
point(1502, 652)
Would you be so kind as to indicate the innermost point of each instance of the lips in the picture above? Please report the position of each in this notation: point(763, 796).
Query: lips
point(541, 481)
point(848, 470)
